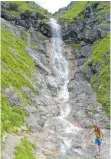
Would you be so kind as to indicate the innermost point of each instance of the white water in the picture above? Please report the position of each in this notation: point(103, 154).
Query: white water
point(60, 65)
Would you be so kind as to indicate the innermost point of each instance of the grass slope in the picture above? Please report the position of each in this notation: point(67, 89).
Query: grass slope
point(16, 72)
point(18, 7)
point(76, 9)
point(100, 55)
point(100, 60)
point(103, 9)
point(12, 116)
point(25, 150)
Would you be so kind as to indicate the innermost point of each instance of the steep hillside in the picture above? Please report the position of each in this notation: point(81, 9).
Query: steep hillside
point(55, 79)
point(18, 68)
point(16, 75)
point(84, 25)
point(99, 66)
point(16, 9)
point(70, 14)
point(26, 14)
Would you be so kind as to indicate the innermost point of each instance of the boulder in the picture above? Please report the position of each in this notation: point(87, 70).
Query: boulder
point(12, 96)
point(52, 85)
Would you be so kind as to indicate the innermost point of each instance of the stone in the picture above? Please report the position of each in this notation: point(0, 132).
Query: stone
point(23, 128)
point(85, 51)
point(52, 85)
point(12, 96)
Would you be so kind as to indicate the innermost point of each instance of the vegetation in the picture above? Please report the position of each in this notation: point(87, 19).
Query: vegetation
point(25, 150)
point(100, 60)
point(76, 46)
point(17, 69)
point(104, 7)
point(12, 116)
point(76, 9)
point(44, 21)
point(15, 62)
point(104, 23)
point(19, 7)
point(103, 10)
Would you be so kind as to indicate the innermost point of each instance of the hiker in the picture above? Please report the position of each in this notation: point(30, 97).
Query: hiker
point(98, 139)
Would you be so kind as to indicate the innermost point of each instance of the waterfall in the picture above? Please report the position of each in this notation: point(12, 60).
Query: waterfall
point(60, 65)
point(59, 62)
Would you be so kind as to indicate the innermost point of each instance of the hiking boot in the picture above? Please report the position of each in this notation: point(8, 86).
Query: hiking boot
point(99, 153)
point(96, 154)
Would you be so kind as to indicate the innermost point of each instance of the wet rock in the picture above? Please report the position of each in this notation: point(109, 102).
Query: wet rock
point(39, 115)
point(52, 85)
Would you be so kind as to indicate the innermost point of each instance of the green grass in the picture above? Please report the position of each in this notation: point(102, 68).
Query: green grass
point(104, 10)
point(25, 150)
point(16, 62)
point(44, 21)
point(76, 46)
point(16, 72)
point(100, 49)
point(101, 82)
point(105, 7)
point(104, 23)
point(26, 6)
point(77, 9)
point(12, 116)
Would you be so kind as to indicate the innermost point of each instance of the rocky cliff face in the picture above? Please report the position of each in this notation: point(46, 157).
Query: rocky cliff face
point(29, 86)
point(89, 29)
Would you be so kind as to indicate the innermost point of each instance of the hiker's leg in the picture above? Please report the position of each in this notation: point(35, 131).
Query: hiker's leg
point(96, 144)
point(99, 147)
point(96, 150)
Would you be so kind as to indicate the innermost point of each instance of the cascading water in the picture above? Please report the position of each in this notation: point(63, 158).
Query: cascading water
point(60, 66)
point(59, 63)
